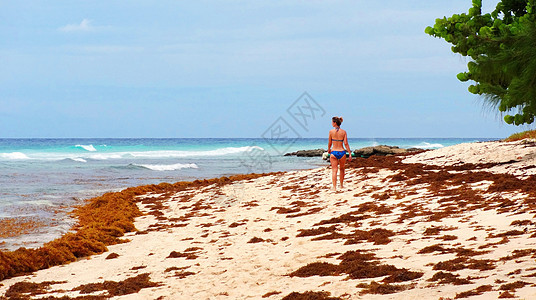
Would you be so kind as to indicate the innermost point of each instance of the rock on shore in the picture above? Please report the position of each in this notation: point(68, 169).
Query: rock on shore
point(381, 150)
point(307, 153)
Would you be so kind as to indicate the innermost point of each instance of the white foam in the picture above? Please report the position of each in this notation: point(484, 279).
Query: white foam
point(172, 154)
point(131, 154)
point(172, 167)
point(87, 147)
point(79, 159)
point(14, 155)
point(106, 156)
point(425, 145)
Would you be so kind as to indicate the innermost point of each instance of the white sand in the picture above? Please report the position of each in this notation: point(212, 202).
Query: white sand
point(228, 267)
point(519, 158)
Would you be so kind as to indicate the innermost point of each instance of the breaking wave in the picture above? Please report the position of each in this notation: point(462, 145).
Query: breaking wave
point(89, 148)
point(172, 167)
point(105, 155)
point(13, 155)
point(77, 159)
point(425, 145)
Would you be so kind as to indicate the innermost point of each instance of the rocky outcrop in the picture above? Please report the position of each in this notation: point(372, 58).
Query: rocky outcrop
point(307, 153)
point(382, 150)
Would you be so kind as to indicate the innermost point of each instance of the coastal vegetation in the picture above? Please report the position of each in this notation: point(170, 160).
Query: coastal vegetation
point(529, 134)
point(500, 46)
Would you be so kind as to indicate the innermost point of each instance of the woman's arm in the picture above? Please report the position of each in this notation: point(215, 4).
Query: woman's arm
point(329, 143)
point(347, 145)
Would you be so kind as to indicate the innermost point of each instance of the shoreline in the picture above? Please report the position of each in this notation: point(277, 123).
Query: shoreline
point(101, 221)
point(41, 176)
point(289, 234)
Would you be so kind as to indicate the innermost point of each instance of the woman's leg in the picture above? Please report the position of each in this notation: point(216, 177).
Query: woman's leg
point(334, 169)
point(342, 163)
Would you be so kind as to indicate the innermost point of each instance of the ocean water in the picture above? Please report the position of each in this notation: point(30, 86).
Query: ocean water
point(42, 179)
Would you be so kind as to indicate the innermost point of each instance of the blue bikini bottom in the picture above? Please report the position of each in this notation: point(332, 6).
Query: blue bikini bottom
point(338, 154)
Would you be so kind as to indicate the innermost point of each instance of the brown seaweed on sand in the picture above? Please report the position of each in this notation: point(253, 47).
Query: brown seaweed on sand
point(345, 218)
point(506, 294)
point(317, 269)
point(513, 286)
point(310, 295)
point(402, 275)
point(435, 230)
point(269, 294)
point(316, 231)
point(447, 237)
point(459, 251)
point(117, 288)
point(446, 278)
point(518, 253)
point(357, 264)
point(112, 255)
point(189, 253)
point(478, 291)
point(235, 224)
point(25, 289)
point(183, 274)
point(461, 263)
point(381, 288)
point(378, 236)
point(255, 239)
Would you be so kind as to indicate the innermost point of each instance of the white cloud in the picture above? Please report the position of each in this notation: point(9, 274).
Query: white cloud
point(85, 25)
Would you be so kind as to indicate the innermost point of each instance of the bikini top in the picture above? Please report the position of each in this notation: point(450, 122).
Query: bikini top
point(335, 139)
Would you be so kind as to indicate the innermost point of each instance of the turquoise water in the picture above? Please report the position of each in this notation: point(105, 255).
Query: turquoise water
point(38, 177)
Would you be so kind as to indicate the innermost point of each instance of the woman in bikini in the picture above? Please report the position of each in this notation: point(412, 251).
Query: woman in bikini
point(337, 137)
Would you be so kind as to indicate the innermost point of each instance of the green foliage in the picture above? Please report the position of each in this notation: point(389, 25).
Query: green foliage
point(502, 48)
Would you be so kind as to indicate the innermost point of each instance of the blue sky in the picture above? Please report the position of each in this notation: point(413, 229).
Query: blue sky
point(231, 68)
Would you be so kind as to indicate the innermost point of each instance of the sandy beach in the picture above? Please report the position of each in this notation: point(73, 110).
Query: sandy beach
point(452, 223)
